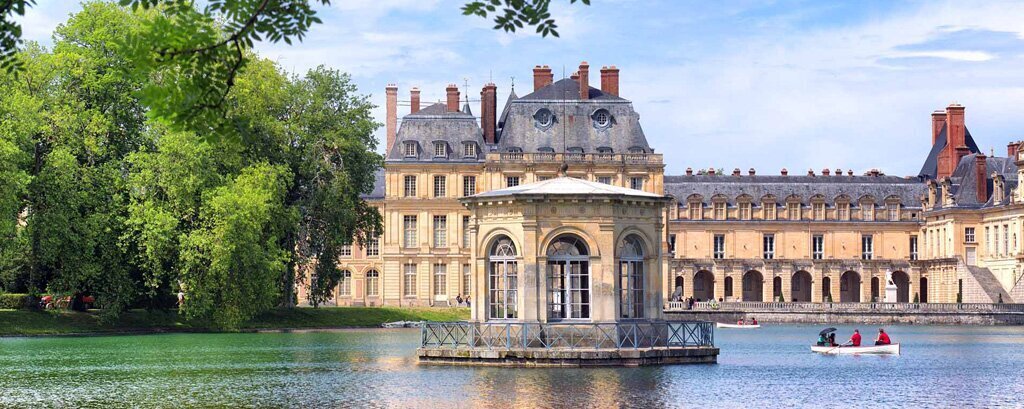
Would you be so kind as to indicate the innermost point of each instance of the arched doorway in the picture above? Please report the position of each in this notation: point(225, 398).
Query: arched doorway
point(502, 280)
point(826, 289)
point(631, 277)
point(776, 288)
point(801, 287)
point(728, 288)
point(568, 278)
point(677, 290)
point(703, 285)
point(753, 283)
point(874, 290)
point(902, 281)
point(924, 289)
point(849, 287)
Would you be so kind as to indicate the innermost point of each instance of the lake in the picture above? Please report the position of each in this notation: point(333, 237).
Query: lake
point(940, 367)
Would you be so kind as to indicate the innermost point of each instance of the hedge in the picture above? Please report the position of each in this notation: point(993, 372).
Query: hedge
point(15, 301)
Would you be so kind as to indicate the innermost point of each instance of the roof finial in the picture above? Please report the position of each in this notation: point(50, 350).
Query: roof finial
point(513, 84)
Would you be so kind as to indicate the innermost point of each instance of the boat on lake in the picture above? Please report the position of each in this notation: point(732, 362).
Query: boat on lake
point(891, 349)
point(402, 324)
point(741, 326)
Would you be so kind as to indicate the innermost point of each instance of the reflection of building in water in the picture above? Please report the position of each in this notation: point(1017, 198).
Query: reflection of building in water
point(952, 230)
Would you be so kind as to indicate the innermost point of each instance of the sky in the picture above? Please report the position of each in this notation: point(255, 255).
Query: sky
point(741, 84)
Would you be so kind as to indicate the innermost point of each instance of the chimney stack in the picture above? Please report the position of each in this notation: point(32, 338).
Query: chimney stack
point(839, 172)
point(938, 120)
point(810, 172)
point(575, 76)
point(414, 100)
point(849, 172)
point(751, 172)
point(584, 80)
point(711, 171)
point(689, 171)
point(1011, 151)
point(825, 172)
point(610, 80)
point(542, 77)
point(488, 111)
point(453, 98)
point(981, 175)
point(391, 110)
point(736, 172)
point(785, 172)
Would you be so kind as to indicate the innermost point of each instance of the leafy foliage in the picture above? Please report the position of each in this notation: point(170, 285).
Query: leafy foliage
point(10, 32)
point(516, 14)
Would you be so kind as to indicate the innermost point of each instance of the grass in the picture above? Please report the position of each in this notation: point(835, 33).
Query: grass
point(22, 323)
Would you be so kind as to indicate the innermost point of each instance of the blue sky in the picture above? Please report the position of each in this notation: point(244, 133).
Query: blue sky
point(762, 84)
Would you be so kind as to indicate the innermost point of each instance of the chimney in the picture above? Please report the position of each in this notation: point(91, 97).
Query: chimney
point(575, 76)
point(810, 172)
point(488, 108)
point(414, 100)
point(711, 171)
point(955, 133)
point(849, 172)
point(610, 80)
point(751, 172)
point(584, 80)
point(938, 120)
point(839, 172)
point(542, 77)
point(1011, 150)
point(391, 109)
point(453, 98)
point(825, 172)
point(736, 172)
point(689, 171)
point(981, 175)
point(785, 172)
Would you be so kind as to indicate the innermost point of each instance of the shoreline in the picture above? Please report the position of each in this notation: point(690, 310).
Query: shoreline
point(963, 318)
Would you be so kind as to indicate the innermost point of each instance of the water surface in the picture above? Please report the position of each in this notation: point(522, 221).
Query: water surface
point(940, 367)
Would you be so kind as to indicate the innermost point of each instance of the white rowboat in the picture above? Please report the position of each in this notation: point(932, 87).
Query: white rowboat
point(891, 349)
point(744, 326)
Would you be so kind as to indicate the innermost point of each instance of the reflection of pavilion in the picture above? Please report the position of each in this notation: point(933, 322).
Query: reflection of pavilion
point(571, 273)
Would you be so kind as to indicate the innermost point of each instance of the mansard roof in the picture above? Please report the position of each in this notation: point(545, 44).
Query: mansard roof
point(931, 163)
point(378, 186)
point(567, 89)
point(964, 180)
point(803, 188)
point(436, 124)
point(566, 186)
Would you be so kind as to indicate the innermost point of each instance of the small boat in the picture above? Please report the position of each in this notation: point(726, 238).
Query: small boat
point(891, 349)
point(744, 326)
point(402, 324)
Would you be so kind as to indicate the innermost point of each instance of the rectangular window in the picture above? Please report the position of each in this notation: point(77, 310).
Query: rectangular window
point(988, 240)
point(819, 211)
point(468, 185)
point(511, 181)
point(719, 210)
point(469, 150)
point(843, 210)
point(440, 150)
point(410, 149)
point(995, 240)
point(793, 211)
point(969, 234)
point(345, 284)
point(818, 247)
point(769, 210)
point(373, 247)
point(346, 250)
point(409, 280)
point(719, 246)
point(409, 230)
point(867, 212)
point(466, 272)
point(745, 211)
point(1006, 239)
point(696, 210)
point(410, 186)
point(604, 179)
point(913, 247)
point(672, 243)
point(440, 231)
point(465, 232)
point(440, 186)
point(894, 212)
point(636, 183)
point(440, 279)
point(543, 178)
point(768, 245)
point(867, 247)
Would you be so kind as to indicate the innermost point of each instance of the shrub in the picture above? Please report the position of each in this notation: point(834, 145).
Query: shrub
point(15, 301)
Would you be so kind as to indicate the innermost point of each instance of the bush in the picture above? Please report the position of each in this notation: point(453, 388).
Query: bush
point(15, 301)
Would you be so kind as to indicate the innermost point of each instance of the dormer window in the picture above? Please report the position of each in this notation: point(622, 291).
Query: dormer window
point(544, 118)
point(440, 150)
point(410, 149)
point(602, 119)
point(636, 149)
point(469, 150)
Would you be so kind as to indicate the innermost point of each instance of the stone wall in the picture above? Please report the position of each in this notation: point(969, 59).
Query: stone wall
point(870, 318)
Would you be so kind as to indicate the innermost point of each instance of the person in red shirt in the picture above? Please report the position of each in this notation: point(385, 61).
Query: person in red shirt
point(855, 339)
point(883, 338)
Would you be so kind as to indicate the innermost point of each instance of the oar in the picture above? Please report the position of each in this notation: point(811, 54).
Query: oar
point(837, 347)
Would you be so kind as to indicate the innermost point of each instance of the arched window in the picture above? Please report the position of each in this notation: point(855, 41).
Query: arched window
point(372, 283)
point(345, 284)
point(568, 277)
point(631, 277)
point(502, 280)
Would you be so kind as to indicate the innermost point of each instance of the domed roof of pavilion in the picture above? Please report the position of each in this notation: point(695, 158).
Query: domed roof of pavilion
point(566, 186)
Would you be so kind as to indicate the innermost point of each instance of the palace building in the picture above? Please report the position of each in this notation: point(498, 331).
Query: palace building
point(948, 234)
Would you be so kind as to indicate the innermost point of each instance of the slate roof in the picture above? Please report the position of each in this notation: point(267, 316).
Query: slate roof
point(909, 191)
point(433, 124)
point(964, 181)
point(931, 163)
point(573, 126)
point(378, 187)
point(566, 186)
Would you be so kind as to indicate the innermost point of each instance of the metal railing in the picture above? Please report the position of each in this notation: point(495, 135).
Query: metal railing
point(567, 336)
point(573, 157)
point(676, 306)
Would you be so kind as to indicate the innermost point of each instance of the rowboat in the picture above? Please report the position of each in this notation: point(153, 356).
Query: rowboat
point(744, 326)
point(891, 349)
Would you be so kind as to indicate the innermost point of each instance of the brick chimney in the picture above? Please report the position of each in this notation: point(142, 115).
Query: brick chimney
point(391, 110)
point(488, 108)
point(825, 172)
point(736, 172)
point(414, 100)
point(956, 145)
point(453, 98)
point(849, 172)
point(711, 171)
point(584, 80)
point(610, 80)
point(938, 120)
point(784, 172)
point(810, 172)
point(689, 171)
point(542, 77)
point(839, 171)
point(981, 175)
point(575, 76)
point(751, 172)
point(1011, 150)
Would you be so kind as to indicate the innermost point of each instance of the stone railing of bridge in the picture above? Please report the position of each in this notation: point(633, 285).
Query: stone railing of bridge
point(748, 306)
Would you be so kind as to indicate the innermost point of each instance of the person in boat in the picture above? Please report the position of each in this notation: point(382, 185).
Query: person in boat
point(832, 340)
point(741, 322)
point(753, 321)
point(883, 338)
point(822, 340)
point(855, 338)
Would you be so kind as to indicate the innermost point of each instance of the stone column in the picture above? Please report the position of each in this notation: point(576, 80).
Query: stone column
point(816, 277)
point(787, 285)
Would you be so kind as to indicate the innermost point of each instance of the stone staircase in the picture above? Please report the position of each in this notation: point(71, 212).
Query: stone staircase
point(987, 283)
